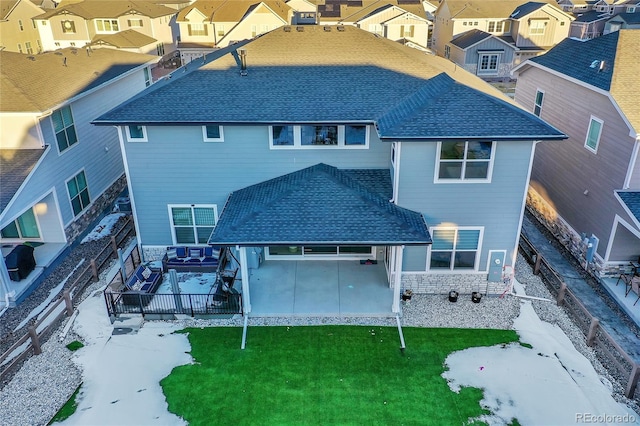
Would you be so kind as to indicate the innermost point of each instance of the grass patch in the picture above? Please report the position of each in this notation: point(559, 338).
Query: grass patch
point(74, 346)
point(67, 409)
point(526, 345)
point(324, 375)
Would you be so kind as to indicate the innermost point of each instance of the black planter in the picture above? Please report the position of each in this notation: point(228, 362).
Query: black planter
point(453, 296)
point(406, 296)
point(476, 296)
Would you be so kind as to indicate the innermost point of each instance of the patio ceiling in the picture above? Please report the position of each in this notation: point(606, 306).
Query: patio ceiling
point(319, 205)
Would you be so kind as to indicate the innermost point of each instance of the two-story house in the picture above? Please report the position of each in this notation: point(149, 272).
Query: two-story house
point(330, 144)
point(593, 20)
point(210, 24)
point(587, 188)
point(78, 24)
point(489, 37)
point(18, 32)
point(57, 171)
point(630, 20)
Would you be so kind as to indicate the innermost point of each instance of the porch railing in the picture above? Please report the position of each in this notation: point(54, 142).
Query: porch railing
point(119, 303)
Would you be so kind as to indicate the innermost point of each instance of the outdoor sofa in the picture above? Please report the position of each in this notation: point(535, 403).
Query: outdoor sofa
point(192, 259)
point(143, 281)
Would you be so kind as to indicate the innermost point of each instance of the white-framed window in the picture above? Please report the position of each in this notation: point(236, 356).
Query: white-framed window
point(488, 63)
point(197, 29)
point(28, 47)
point(147, 76)
point(68, 27)
point(39, 46)
point(192, 223)
point(107, 26)
point(254, 30)
point(64, 128)
point(135, 23)
point(213, 133)
point(321, 136)
point(376, 29)
point(136, 133)
point(406, 30)
point(19, 48)
point(454, 249)
point(78, 193)
point(537, 108)
point(24, 227)
point(464, 161)
point(220, 30)
point(500, 27)
point(447, 51)
point(536, 27)
point(593, 134)
point(20, 25)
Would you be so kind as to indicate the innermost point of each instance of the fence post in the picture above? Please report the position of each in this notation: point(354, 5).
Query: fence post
point(114, 247)
point(561, 293)
point(67, 302)
point(35, 342)
point(536, 266)
point(593, 327)
point(633, 382)
point(94, 269)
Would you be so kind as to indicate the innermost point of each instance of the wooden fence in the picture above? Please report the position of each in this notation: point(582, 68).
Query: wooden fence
point(611, 355)
point(63, 306)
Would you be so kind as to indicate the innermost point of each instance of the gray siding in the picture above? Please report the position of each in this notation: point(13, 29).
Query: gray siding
point(493, 45)
point(496, 206)
point(563, 171)
point(177, 167)
point(414, 258)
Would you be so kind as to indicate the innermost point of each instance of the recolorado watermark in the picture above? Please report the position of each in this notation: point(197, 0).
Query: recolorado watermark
point(605, 418)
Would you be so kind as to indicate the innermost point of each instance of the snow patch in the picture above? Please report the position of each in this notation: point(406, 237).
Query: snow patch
point(103, 229)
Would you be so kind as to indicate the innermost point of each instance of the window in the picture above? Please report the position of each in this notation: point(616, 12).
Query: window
point(536, 27)
point(134, 23)
point(136, 133)
point(33, 23)
point(593, 134)
point(27, 46)
point(192, 224)
point(220, 31)
point(447, 51)
point(254, 30)
point(352, 136)
point(68, 27)
point(498, 26)
point(212, 133)
point(539, 99)
point(375, 28)
point(406, 30)
point(160, 49)
point(461, 160)
point(107, 25)
point(454, 248)
point(39, 46)
point(78, 193)
point(20, 25)
point(197, 29)
point(64, 128)
point(147, 77)
point(23, 227)
point(19, 48)
point(488, 63)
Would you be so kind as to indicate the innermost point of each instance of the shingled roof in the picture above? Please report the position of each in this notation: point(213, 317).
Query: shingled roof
point(340, 75)
point(15, 166)
point(631, 200)
point(126, 39)
point(92, 9)
point(341, 210)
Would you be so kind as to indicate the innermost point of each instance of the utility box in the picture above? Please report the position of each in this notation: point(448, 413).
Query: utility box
point(254, 257)
point(496, 263)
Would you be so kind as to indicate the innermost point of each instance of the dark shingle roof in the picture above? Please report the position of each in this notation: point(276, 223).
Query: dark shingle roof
point(469, 38)
point(574, 58)
point(316, 205)
point(632, 200)
point(315, 75)
point(591, 16)
point(15, 166)
point(525, 9)
point(629, 18)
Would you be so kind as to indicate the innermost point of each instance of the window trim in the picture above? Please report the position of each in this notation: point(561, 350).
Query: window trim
point(132, 139)
point(55, 134)
point(538, 22)
point(537, 108)
point(191, 206)
point(207, 139)
point(437, 179)
point(489, 71)
point(104, 31)
point(66, 185)
point(71, 30)
point(297, 137)
point(586, 139)
point(17, 225)
point(451, 269)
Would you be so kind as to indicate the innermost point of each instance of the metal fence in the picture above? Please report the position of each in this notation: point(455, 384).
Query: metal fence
point(611, 355)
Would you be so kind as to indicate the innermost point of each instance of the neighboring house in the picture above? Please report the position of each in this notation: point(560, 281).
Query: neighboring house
point(18, 32)
point(482, 54)
point(585, 187)
point(79, 24)
point(530, 27)
point(210, 24)
point(128, 40)
point(593, 20)
point(623, 21)
point(57, 171)
point(588, 25)
point(333, 145)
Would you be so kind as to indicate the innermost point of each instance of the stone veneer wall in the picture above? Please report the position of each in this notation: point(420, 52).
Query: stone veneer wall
point(153, 253)
point(443, 283)
point(105, 199)
point(568, 237)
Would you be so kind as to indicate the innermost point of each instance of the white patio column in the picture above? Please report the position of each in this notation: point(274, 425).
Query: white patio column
point(244, 270)
point(4, 282)
point(397, 278)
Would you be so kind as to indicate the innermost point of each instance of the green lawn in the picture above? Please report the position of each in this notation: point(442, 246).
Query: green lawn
point(324, 375)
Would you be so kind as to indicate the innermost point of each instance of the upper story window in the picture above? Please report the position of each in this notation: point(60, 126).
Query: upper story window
point(68, 27)
point(20, 25)
point(355, 136)
point(212, 133)
point(107, 25)
point(536, 27)
point(470, 23)
point(406, 30)
point(454, 248)
point(78, 193)
point(376, 29)
point(447, 51)
point(197, 29)
point(64, 128)
point(136, 133)
point(464, 161)
point(27, 46)
point(134, 23)
point(538, 103)
point(593, 134)
point(192, 224)
point(502, 27)
point(19, 48)
point(147, 77)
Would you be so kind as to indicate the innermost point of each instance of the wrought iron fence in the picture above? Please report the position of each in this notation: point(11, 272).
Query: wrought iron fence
point(119, 303)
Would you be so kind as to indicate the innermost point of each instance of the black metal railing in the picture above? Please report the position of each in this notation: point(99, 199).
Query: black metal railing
point(119, 303)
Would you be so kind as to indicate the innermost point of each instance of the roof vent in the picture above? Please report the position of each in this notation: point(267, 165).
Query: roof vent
point(74, 51)
point(594, 64)
point(243, 62)
point(340, 28)
point(601, 67)
point(299, 29)
point(58, 53)
point(31, 58)
point(287, 29)
point(327, 28)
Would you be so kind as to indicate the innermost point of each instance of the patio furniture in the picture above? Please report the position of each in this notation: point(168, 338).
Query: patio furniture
point(193, 259)
point(143, 281)
point(635, 287)
point(626, 279)
point(20, 262)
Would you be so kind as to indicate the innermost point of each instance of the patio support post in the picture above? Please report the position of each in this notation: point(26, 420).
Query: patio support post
point(397, 278)
point(4, 282)
point(244, 270)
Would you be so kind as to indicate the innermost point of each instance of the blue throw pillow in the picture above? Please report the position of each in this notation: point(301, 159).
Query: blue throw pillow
point(212, 252)
point(181, 251)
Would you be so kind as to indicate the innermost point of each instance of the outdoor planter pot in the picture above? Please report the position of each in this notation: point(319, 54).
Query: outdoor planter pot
point(453, 296)
point(407, 295)
point(476, 296)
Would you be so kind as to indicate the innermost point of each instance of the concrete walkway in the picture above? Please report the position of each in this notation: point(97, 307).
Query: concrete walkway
point(610, 320)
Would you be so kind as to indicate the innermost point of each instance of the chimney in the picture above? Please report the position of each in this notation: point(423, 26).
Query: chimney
point(601, 68)
point(243, 62)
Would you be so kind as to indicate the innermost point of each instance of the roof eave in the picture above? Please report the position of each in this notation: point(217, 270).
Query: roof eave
point(318, 243)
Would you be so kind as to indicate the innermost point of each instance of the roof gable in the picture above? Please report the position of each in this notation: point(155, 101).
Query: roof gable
point(15, 166)
point(482, 9)
point(126, 39)
point(92, 9)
